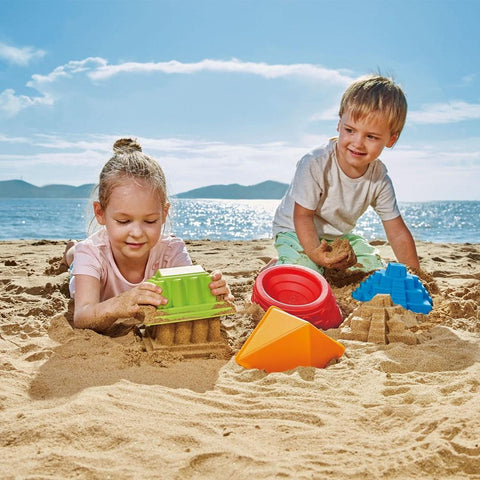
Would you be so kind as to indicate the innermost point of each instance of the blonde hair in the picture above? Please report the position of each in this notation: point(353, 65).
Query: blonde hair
point(128, 161)
point(376, 94)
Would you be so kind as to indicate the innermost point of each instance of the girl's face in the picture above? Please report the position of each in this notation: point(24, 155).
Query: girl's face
point(133, 218)
point(361, 141)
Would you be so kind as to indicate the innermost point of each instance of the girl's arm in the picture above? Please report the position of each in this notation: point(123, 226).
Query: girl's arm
point(91, 313)
point(401, 241)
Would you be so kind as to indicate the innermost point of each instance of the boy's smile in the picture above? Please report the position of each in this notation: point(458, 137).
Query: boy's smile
point(361, 141)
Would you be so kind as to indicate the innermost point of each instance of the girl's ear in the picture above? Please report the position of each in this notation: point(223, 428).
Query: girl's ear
point(166, 208)
point(99, 213)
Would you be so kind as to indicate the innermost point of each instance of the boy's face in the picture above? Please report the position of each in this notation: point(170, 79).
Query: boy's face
point(361, 141)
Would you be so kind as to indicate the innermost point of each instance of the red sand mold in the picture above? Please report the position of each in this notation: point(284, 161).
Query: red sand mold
point(299, 291)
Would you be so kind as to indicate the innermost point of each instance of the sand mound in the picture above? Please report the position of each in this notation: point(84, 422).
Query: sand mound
point(77, 404)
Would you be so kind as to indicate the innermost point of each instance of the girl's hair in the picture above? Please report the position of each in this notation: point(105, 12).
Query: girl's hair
point(129, 161)
point(376, 94)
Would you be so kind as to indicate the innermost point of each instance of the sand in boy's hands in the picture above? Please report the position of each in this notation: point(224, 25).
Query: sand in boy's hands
point(339, 247)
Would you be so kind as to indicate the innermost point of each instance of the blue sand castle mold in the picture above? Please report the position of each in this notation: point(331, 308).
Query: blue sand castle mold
point(405, 289)
point(189, 297)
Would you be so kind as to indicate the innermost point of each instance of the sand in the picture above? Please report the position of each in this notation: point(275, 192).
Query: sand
point(77, 404)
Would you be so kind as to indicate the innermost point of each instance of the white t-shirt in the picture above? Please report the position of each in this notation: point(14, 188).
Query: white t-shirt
point(94, 257)
point(320, 184)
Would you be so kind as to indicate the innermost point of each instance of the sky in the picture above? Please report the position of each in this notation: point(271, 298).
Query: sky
point(234, 91)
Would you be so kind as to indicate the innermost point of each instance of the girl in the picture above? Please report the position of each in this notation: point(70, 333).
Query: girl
point(110, 267)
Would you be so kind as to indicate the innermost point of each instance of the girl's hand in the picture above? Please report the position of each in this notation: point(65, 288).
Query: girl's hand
point(220, 288)
point(144, 294)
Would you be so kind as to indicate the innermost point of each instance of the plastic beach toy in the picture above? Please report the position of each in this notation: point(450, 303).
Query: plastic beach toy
point(299, 291)
point(189, 297)
point(282, 341)
point(405, 289)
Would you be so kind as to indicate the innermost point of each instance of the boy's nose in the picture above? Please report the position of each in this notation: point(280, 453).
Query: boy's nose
point(358, 140)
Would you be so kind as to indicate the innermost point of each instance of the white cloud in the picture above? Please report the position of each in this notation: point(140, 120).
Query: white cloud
point(444, 170)
point(440, 171)
point(11, 104)
point(225, 66)
point(17, 140)
point(451, 112)
point(19, 56)
point(327, 115)
point(97, 68)
point(206, 162)
point(468, 79)
point(67, 71)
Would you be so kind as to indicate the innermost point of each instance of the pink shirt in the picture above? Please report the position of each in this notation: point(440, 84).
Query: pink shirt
point(94, 257)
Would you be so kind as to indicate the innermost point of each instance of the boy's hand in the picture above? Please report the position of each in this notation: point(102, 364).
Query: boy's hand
point(220, 288)
point(324, 256)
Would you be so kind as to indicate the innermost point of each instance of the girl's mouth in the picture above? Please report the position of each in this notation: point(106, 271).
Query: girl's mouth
point(135, 246)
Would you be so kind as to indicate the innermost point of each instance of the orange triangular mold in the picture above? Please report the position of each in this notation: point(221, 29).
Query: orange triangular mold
point(282, 341)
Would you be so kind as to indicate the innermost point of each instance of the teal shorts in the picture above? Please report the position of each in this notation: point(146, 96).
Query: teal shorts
point(290, 252)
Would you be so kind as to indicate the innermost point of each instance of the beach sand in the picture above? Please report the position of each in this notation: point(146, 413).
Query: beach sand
point(77, 404)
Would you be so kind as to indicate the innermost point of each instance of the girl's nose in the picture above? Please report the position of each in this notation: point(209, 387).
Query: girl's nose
point(135, 229)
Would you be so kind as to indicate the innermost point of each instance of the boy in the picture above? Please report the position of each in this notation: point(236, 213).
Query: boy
point(335, 184)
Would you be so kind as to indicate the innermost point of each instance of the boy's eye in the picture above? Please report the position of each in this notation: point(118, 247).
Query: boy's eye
point(122, 222)
point(150, 222)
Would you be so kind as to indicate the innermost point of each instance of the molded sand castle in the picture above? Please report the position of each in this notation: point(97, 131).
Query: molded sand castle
point(404, 288)
point(379, 321)
point(392, 297)
point(190, 323)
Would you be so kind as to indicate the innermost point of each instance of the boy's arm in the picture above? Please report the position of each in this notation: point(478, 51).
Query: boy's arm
point(401, 241)
point(308, 238)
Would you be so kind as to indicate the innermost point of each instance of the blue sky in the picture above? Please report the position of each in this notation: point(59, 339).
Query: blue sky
point(234, 91)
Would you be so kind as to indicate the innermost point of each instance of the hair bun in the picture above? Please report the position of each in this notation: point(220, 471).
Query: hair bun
point(126, 145)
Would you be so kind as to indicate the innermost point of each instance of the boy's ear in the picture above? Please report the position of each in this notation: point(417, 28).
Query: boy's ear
point(99, 213)
point(393, 140)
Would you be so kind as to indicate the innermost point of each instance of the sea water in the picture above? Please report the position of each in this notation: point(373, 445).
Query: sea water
point(218, 219)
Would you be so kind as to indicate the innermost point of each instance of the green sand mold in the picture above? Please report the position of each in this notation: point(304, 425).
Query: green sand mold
point(189, 297)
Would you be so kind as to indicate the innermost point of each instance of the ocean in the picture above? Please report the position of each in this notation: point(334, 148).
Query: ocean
point(215, 219)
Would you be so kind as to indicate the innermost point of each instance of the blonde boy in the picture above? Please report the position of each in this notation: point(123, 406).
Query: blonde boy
point(334, 185)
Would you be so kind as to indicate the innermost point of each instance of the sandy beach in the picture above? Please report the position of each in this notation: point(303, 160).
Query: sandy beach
point(78, 404)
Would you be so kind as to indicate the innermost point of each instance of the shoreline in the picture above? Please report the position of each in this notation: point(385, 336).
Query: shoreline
point(77, 403)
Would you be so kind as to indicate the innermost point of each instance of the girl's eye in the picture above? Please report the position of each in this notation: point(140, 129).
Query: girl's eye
point(151, 222)
point(122, 222)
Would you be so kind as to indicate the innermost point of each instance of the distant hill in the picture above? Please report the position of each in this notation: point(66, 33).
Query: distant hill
point(21, 189)
point(264, 190)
